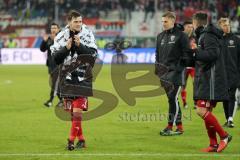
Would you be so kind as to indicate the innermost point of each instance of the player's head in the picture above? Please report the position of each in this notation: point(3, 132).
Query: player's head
point(168, 20)
point(54, 28)
point(224, 24)
point(188, 27)
point(74, 20)
point(199, 19)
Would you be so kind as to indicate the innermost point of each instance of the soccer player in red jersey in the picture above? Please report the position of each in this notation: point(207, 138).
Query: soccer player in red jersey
point(210, 82)
point(75, 50)
point(188, 71)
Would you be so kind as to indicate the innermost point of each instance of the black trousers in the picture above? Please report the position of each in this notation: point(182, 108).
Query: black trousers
point(53, 75)
point(174, 112)
point(230, 104)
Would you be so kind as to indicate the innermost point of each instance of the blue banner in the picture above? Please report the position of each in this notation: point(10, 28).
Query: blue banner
point(134, 55)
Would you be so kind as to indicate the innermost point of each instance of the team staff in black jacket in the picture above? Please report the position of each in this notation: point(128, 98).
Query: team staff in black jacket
point(210, 82)
point(45, 46)
point(172, 46)
point(231, 45)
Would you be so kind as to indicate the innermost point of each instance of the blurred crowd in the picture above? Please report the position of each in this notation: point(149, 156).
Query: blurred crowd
point(93, 8)
point(24, 10)
point(8, 43)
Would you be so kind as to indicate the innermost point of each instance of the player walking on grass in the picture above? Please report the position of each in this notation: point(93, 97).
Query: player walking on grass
point(172, 46)
point(71, 47)
point(188, 71)
point(45, 46)
point(210, 82)
point(232, 63)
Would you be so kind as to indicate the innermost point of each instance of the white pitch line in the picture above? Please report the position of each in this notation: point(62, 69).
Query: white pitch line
point(118, 155)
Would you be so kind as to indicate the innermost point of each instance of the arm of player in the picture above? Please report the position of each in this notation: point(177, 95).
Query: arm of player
point(211, 50)
point(157, 50)
point(157, 56)
point(238, 62)
point(84, 49)
point(60, 53)
point(187, 57)
point(43, 46)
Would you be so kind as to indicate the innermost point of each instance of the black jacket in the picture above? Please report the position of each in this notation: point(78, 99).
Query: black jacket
point(232, 59)
point(75, 77)
point(75, 65)
point(210, 81)
point(171, 53)
point(45, 46)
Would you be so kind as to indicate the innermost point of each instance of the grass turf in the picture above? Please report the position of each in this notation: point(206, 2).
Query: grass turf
point(28, 130)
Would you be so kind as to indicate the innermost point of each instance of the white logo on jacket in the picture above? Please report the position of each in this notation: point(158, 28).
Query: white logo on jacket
point(172, 39)
point(162, 42)
point(231, 44)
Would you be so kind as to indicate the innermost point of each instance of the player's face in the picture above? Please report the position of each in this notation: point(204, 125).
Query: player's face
point(188, 28)
point(167, 23)
point(54, 29)
point(194, 24)
point(76, 24)
point(225, 27)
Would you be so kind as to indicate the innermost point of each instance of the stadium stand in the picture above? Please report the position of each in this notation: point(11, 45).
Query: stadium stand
point(21, 19)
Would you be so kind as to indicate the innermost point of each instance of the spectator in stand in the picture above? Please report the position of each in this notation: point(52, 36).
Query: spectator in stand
point(235, 25)
point(101, 43)
point(1, 43)
point(11, 43)
point(150, 8)
point(238, 10)
point(126, 7)
point(1, 46)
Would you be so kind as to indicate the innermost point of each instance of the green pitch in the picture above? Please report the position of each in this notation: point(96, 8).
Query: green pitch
point(28, 130)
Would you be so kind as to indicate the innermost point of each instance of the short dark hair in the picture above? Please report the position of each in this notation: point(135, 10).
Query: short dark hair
point(223, 20)
point(169, 14)
point(55, 24)
point(201, 18)
point(187, 22)
point(73, 14)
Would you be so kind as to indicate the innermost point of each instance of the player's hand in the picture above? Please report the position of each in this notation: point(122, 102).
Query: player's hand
point(45, 37)
point(77, 40)
point(69, 44)
point(194, 46)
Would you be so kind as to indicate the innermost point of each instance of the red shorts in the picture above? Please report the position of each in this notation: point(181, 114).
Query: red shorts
point(190, 71)
point(206, 104)
point(81, 103)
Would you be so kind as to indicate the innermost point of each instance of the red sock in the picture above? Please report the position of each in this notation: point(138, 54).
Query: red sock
point(76, 125)
point(170, 125)
point(211, 121)
point(184, 96)
point(80, 133)
point(180, 127)
point(211, 134)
